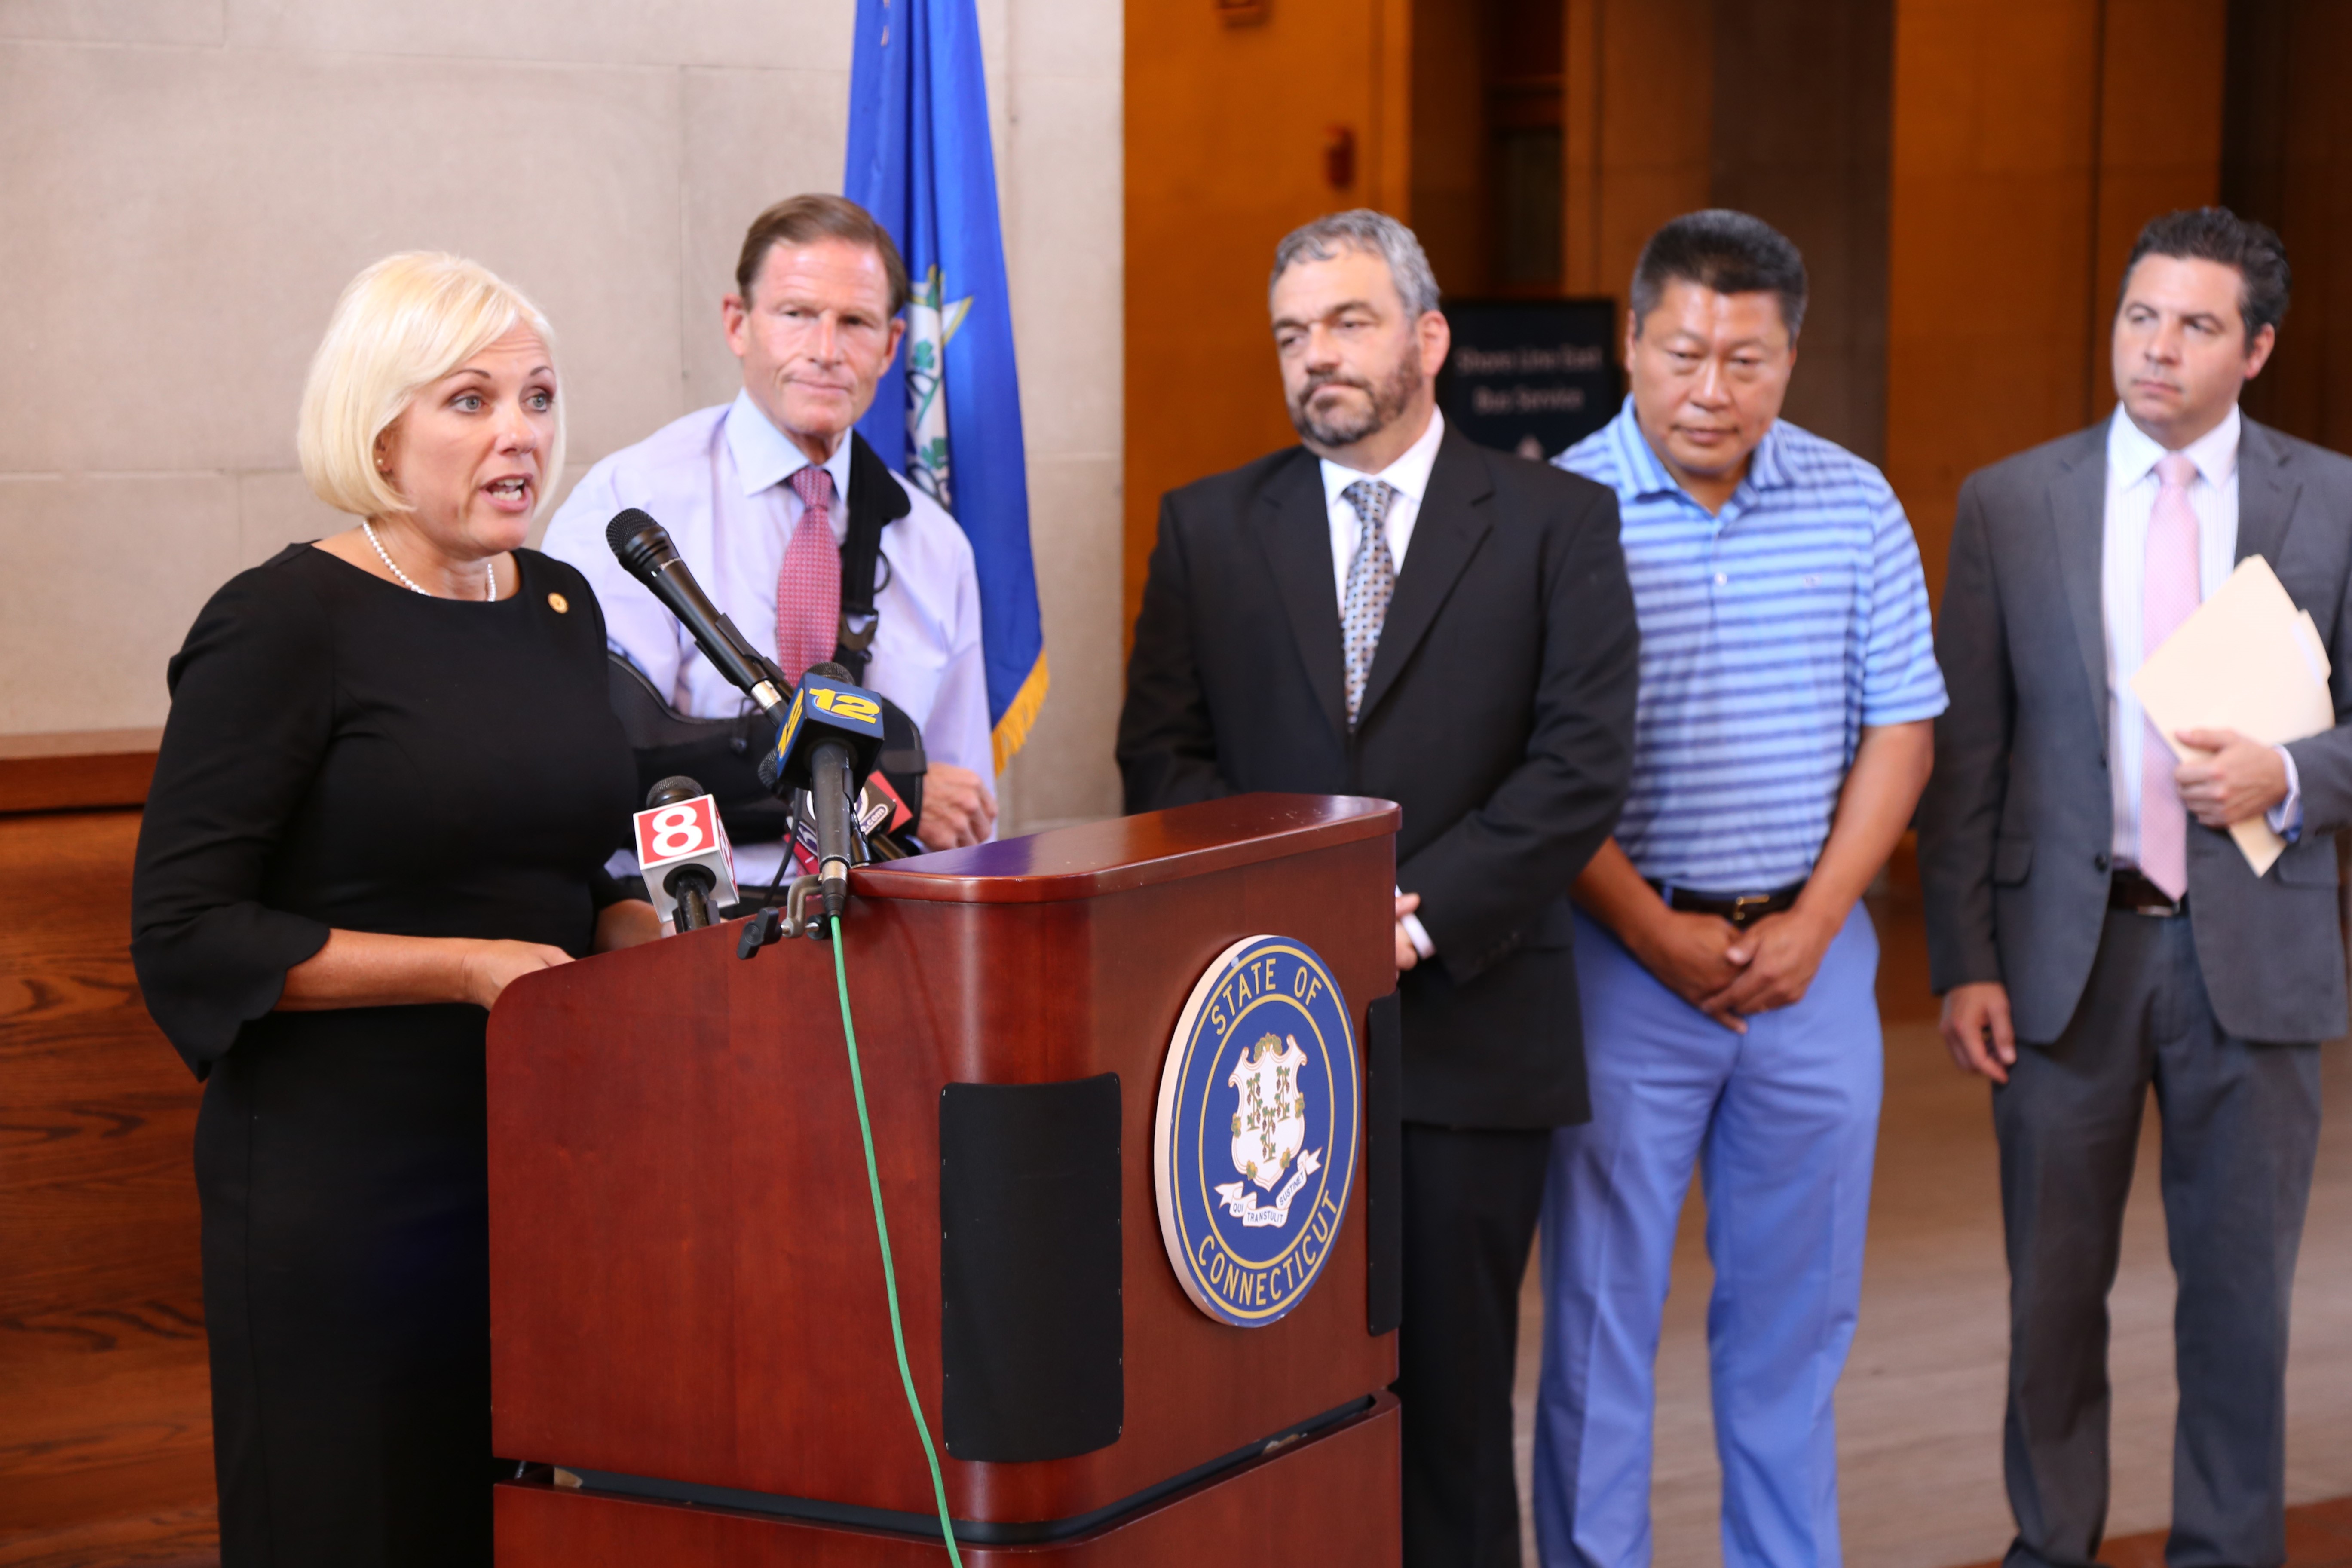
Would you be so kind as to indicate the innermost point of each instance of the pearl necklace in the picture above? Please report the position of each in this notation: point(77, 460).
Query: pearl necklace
point(489, 568)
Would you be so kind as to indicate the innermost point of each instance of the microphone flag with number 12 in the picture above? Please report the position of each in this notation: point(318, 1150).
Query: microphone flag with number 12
point(684, 833)
point(948, 412)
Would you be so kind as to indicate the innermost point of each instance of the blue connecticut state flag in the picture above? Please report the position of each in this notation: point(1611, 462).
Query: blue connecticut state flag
point(949, 413)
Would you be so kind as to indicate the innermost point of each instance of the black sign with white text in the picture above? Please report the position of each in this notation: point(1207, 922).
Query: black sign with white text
point(1530, 376)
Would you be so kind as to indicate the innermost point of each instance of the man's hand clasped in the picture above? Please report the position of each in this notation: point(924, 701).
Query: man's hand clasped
point(1778, 958)
point(1728, 974)
point(1692, 955)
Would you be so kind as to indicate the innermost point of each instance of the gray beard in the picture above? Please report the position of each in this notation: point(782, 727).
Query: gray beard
point(1388, 402)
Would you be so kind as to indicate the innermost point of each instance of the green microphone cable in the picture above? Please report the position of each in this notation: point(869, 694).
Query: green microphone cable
point(882, 1233)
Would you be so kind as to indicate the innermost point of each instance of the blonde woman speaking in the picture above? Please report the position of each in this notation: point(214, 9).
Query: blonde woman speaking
point(389, 779)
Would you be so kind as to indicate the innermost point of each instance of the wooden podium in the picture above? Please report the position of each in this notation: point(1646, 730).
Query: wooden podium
point(688, 1309)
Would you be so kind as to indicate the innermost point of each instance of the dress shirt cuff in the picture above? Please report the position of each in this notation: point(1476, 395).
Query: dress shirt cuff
point(1417, 933)
point(2287, 817)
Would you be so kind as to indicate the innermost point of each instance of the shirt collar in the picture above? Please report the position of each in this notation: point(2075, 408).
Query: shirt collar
point(1766, 471)
point(1409, 473)
point(2132, 454)
point(1641, 474)
point(765, 455)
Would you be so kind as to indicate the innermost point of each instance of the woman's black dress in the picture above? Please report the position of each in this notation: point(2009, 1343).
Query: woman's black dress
point(344, 752)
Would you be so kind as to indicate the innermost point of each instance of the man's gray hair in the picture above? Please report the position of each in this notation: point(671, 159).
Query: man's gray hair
point(1362, 229)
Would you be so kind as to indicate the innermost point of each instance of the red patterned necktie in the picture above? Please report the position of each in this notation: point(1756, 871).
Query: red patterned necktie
point(808, 586)
point(2169, 595)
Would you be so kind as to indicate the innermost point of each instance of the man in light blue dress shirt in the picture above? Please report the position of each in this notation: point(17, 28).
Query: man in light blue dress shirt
point(815, 321)
point(1725, 966)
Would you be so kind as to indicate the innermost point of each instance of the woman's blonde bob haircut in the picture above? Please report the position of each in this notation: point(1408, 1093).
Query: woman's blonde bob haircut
point(402, 325)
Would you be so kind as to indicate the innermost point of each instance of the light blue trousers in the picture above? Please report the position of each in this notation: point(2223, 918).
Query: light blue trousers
point(1782, 1122)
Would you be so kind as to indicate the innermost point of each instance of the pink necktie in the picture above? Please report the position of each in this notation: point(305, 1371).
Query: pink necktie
point(808, 586)
point(2169, 595)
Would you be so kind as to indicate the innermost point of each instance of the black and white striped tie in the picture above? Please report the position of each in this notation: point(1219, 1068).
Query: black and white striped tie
point(1371, 582)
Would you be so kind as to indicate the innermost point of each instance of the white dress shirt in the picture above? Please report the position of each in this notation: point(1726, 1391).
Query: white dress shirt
point(1408, 477)
point(2132, 486)
point(715, 479)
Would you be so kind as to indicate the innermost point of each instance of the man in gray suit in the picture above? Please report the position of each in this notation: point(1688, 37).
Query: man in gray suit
point(2093, 930)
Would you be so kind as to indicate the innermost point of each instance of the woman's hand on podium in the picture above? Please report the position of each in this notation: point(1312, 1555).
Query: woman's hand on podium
point(492, 966)
point(625, 924)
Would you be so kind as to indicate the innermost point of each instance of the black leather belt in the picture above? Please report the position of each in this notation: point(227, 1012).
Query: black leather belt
point(2131, 891)
point(1742, 910)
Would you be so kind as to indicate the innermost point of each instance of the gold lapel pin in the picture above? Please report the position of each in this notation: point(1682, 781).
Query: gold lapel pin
point(558, 604)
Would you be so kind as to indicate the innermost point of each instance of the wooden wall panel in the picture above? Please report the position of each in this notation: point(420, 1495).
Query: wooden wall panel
point(105, 1426)
point(1227, 128)
point(1639, 125)
point(2316, 224)
point(55, 771)
point(2032, 139)
point(1801, 140)
point(2288, 130)
point(1775, 107)
point(2160, 143)
point(1989, 259)
point(1449, 143)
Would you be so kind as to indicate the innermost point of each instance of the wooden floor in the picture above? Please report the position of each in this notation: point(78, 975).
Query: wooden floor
point(1919, 1411)
point(105, 1426)
point(2318, 1535)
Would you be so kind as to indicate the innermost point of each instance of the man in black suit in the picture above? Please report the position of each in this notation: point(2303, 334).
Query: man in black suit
point(1389, 610)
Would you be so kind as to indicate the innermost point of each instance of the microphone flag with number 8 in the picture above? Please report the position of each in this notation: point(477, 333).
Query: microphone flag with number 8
point(684, 833)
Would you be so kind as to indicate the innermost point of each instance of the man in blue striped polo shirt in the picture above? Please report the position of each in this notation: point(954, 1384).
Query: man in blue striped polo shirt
point(1727, 968)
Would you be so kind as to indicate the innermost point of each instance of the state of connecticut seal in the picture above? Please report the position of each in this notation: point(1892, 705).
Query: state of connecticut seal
point(1256, 1148)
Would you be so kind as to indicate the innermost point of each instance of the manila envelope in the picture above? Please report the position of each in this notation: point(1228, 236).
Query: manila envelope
point(2246, 660)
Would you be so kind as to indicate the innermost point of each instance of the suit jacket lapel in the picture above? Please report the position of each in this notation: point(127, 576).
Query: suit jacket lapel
point(1445, 534)
point(2266, 494)
point(2078, 520)
point(1295, 527)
